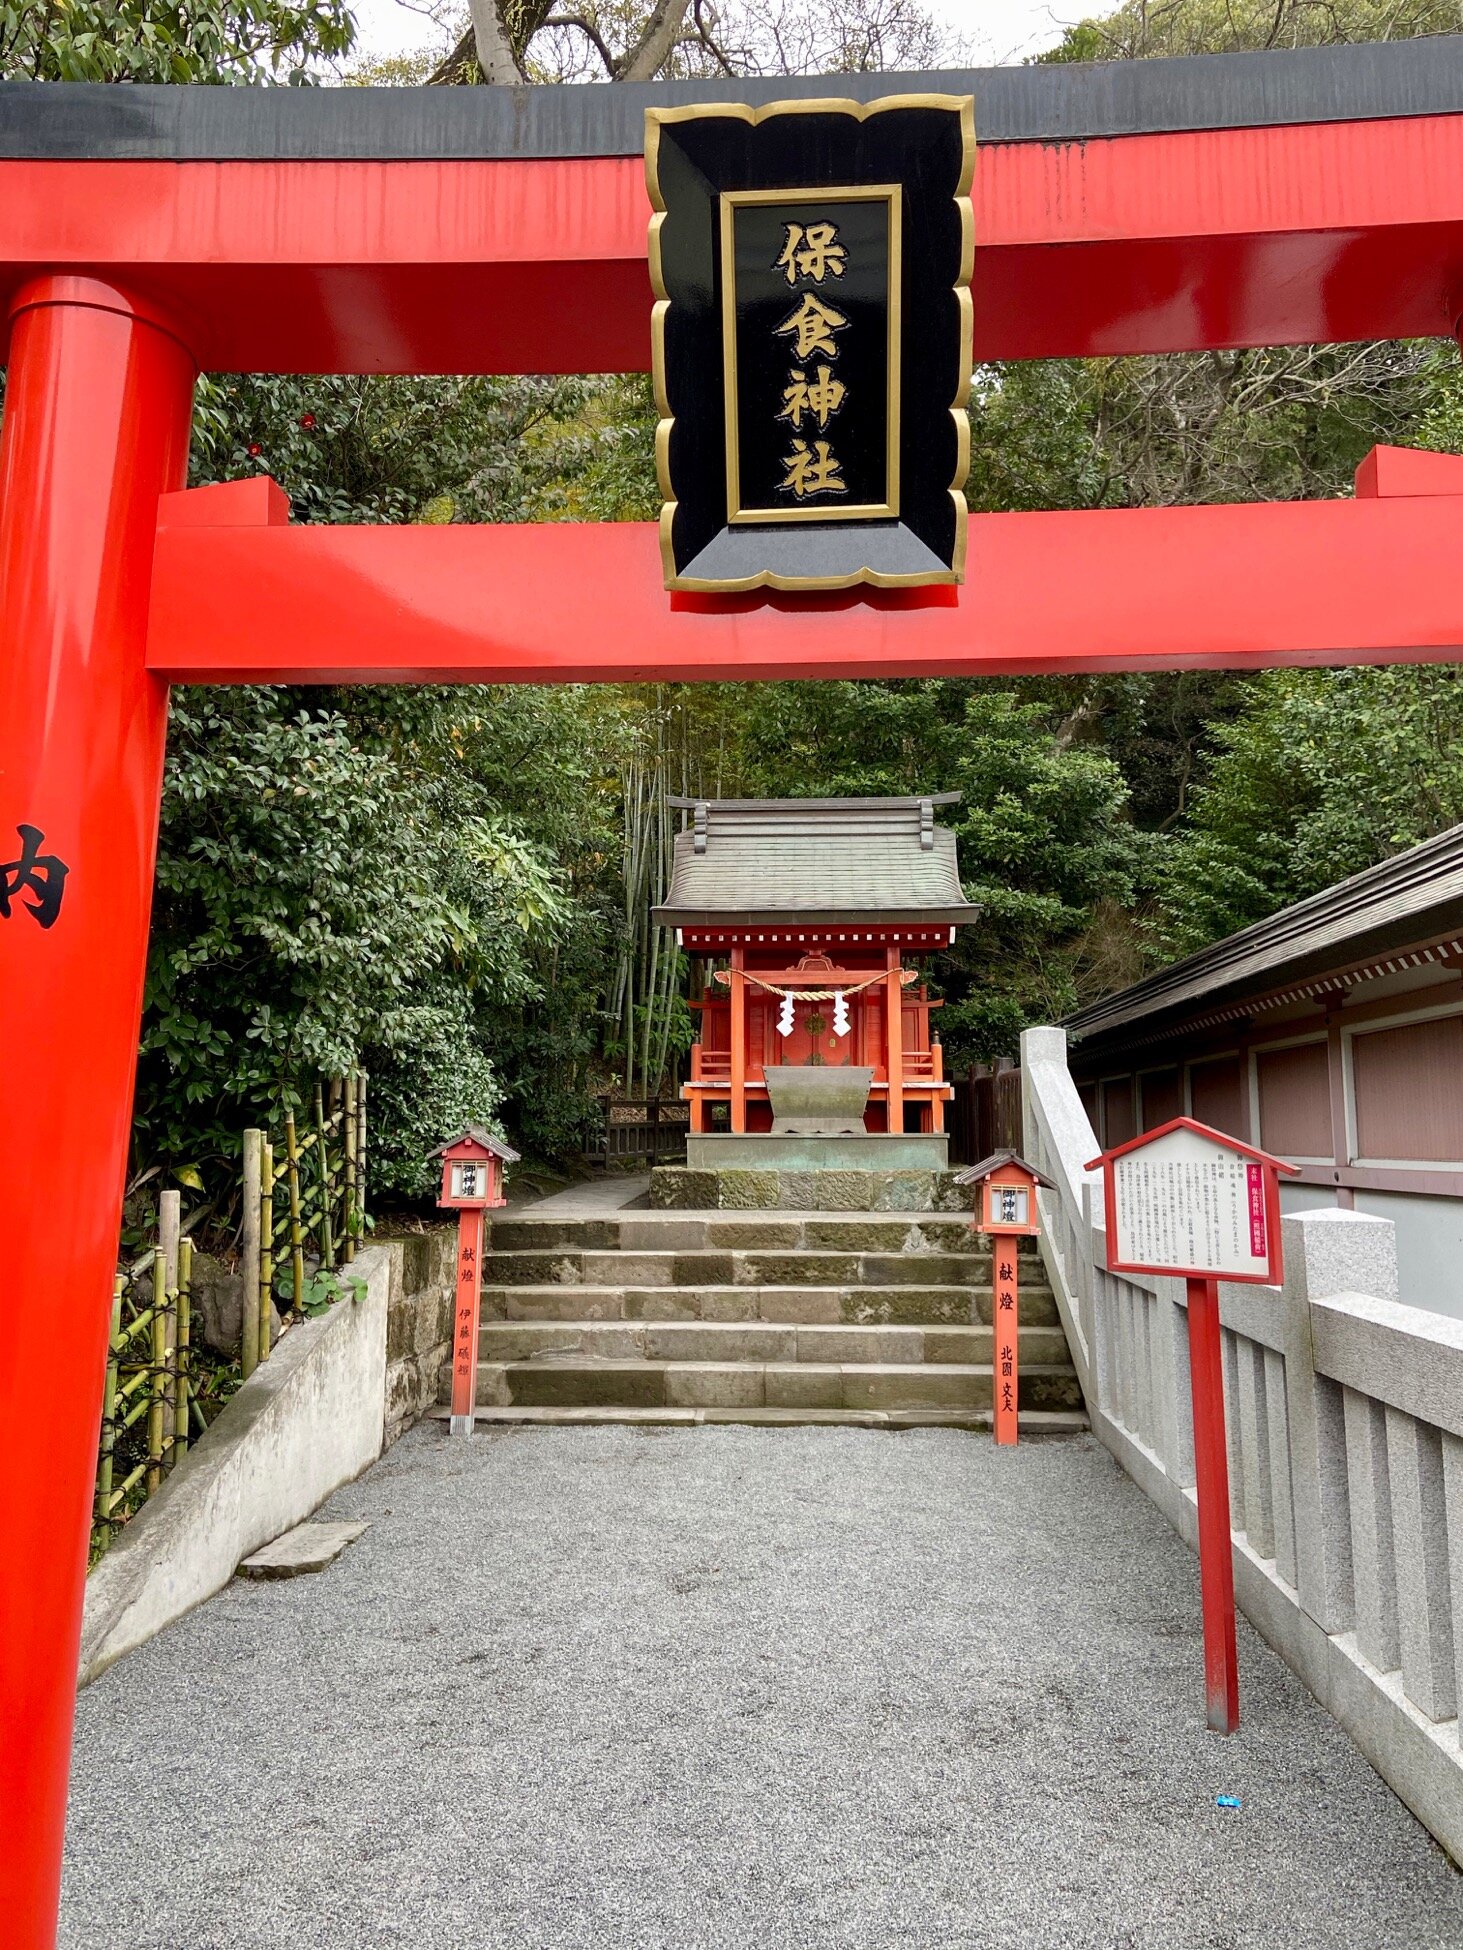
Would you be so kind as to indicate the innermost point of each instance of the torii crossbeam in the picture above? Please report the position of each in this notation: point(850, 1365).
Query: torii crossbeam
point(147, 234)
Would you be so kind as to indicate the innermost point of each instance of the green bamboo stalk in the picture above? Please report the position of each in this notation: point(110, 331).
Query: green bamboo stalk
point(327, 1237)
point(143, 1380)
point(297, 1236)
point(348, 1147)
point(185, 1334)
point(157, 1397)
point(652, 985)
point(266, 1245)
point(128, 1484)
point(249, 1247)
point(109, 1408)
point(169, 1228)
point(134, 1330)
point(308, 1149)
point(361, 1148)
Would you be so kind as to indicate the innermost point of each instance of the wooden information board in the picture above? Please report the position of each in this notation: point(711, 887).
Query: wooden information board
point(1187, 1203)
point(1191, 1202)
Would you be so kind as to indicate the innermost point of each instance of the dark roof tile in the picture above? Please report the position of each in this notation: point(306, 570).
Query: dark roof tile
point(750, 862)
point(1413, 897)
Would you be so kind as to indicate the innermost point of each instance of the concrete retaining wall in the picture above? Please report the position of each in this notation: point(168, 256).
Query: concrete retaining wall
point(1345, 1420)
point(311, 1418)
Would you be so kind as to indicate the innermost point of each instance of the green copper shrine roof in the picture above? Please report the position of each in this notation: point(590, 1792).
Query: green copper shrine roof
point(755, 862)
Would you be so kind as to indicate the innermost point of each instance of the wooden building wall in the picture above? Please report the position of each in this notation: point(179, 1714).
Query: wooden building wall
point(1366, 1094)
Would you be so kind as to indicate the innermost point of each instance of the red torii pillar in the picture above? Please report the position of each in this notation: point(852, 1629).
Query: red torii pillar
point(97, 408)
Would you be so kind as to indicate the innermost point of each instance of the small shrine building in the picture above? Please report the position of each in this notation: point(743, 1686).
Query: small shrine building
point(810, 911)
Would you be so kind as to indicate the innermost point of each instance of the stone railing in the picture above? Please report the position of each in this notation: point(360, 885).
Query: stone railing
point(1345, 1418)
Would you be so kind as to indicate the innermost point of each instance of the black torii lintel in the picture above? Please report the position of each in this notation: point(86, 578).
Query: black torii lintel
point(1062, 102)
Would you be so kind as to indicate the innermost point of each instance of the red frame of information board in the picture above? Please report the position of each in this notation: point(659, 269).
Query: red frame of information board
point(1270, 1168)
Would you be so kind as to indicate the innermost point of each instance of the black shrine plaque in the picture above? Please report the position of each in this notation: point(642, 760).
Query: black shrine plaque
point(812, 339)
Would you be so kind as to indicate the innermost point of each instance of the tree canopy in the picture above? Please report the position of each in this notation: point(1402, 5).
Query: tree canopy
point(172, 40)
point(1138, 29)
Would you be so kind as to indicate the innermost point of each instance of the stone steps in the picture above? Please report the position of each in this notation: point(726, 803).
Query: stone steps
point(757, 1341)
point(634, 1231)
point(568, 1382)
point(850, 1316)
point(914, 1306)
point(803, 1266)
point(1034, 1422)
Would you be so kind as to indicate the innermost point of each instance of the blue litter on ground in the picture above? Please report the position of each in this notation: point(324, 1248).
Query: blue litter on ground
point(1227, 1801)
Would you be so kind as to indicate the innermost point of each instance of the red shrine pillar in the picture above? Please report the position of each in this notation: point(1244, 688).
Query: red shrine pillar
point(737, 1116)
point(894, 1038)
point(97, 409)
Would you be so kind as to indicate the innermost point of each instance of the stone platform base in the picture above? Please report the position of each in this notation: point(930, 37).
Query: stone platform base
point(862, 1151)
point(685, 1188)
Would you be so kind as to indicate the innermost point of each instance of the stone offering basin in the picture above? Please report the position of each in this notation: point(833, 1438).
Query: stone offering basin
point(817, 1100)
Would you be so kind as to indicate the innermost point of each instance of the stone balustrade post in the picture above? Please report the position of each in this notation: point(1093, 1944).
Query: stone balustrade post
point(1327, 1252)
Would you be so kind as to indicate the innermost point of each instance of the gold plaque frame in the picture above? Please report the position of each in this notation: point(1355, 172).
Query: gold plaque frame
point(892, 195)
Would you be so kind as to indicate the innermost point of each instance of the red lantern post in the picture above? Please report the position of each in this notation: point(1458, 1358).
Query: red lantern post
point(472, 1181)
point(1005, 1211)
point(1191, 1203)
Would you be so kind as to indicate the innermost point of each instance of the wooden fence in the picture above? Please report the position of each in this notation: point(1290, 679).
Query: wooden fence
point(985, 1115)
point(636, 1130)
point(303, 1216)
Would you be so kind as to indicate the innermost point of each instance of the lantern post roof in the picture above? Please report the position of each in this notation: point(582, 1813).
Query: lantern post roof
point(478, 1138)
point(978, 1174)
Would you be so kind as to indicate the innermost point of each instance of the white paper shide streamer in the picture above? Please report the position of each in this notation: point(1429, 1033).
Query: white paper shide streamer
point(785, 1017)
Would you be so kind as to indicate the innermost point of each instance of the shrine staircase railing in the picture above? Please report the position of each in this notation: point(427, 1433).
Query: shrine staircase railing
point(714, 1066)
point(1345, 1420)
point(710, 1065)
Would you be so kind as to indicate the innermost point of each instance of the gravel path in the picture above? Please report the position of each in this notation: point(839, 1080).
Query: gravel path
point(734, 1688)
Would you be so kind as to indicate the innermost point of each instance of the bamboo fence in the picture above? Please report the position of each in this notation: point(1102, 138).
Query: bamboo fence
point(303, 1218)
point(149, 1409)
point(304, 1210)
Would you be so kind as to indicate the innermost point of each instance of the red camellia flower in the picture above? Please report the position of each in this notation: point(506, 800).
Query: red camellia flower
point(255, 448)
point(307, 421)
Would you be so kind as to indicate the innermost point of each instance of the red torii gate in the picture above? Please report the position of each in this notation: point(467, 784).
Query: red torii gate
point(147, 234)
